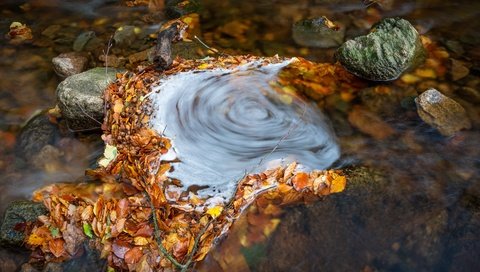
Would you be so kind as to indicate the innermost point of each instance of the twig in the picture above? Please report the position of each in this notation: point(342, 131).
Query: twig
point(88, 115)
point(209, 48)
point(109, 45)
point(195, 245)
point(157, 235)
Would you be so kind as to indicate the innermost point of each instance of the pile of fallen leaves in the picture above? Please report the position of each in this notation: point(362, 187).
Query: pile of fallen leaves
point(132, 216)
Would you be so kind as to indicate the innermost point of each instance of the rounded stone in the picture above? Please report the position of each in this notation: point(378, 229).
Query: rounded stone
point(392, 47)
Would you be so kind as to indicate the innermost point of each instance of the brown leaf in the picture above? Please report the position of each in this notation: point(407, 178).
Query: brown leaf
point(122, 208)
point(120, 248)
point(57, 247)
point(133, 255)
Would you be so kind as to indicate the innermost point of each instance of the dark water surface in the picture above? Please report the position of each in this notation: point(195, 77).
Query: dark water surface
point(415, 208)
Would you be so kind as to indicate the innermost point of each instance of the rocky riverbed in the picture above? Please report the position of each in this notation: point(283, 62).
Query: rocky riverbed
point(409, 145)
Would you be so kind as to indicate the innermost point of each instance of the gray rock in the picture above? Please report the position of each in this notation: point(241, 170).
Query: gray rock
point(68, 64)
point(315, 33)
point(19, 212)
point(80, 98)
point(124, 35)
point(392, 47)
point(82, 40)
point(442, 112)
point(35, 135)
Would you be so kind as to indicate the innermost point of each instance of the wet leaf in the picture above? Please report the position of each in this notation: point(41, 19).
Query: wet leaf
point(338, 183)
point(215, 211)
point(133, 256)
point(87, 229)
point(57, 247)
point(109, 154)
point(55, 232)
point(35, 240)
point(300, 181)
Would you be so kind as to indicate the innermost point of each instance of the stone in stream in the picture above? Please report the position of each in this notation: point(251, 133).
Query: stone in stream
point(80, 98)
point(442, 112)
point(35, 135)
point(315, 33)
point(392, 47)
point(17, 214)
point(178, 8)
point(68, 64)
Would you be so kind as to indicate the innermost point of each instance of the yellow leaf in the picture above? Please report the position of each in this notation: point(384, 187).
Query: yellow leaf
point(118, 107)
point(338, 183)
point(215, 211)
point(35, 240)
point(140, 241)
point(203, 66)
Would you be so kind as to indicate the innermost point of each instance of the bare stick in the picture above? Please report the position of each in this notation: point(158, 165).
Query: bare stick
point(209, 48)
point(157, 235)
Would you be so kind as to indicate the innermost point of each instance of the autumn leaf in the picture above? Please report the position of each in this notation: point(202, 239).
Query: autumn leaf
point(35, 240)
point(215, 211)
point(338, 183)
point(57, 247)
point(133, 255)
point(109, 154)
point(300, 181)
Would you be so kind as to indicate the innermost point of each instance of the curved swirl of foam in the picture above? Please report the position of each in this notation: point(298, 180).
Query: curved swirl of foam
point(224, 123)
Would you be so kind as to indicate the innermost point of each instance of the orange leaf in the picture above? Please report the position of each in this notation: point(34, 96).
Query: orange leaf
point(57, 247)
point(300, 181)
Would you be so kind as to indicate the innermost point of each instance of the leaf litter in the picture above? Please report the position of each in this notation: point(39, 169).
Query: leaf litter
point(130, 216)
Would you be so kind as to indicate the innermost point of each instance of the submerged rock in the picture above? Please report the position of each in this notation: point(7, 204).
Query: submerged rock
point(80, 98)
point(178, 8)
point(68, 64)
point(19, 213)
point(392, 47)
point(35, 135)
point(442, 112)
point(82, 40)
point(315, 33)
point(125, 35)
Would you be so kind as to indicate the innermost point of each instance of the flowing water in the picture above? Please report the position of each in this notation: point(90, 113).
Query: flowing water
point(225, 123)
point(417, 210)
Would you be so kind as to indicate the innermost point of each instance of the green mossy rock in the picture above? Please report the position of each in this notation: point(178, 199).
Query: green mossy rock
point(392, 47)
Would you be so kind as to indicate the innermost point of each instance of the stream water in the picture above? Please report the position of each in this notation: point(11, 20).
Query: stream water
point(225, 123)
point(417, 210)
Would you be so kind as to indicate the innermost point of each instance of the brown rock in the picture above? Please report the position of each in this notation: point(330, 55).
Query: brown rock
point(68, 64)
point(442, 112)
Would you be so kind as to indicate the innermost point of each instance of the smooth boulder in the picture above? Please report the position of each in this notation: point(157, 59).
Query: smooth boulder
point(80, 98)
point(442, 112)
point(392, 47)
